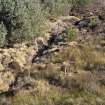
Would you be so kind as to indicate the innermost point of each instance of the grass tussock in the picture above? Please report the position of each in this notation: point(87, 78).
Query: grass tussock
point(54, 96)
point(74, 68)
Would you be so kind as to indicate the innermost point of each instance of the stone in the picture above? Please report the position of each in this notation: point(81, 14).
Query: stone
point(6, 79)
point(3, 86)
point(73, 44)
point(6, 58)
point(20, 57)
point(69, 19)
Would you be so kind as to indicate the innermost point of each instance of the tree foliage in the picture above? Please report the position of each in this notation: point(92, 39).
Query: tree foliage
point(3, 33)
point(25, 19)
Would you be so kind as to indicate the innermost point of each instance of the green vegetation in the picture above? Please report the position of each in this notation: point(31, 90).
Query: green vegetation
point(93, 21)
point(24, 20)
point(57, 7)
point(71, 32)
point(55, 97)
point(78, 3)
point(70, 72)
point(2, 35)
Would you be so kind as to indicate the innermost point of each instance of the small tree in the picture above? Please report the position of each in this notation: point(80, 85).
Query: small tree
point(23, 19)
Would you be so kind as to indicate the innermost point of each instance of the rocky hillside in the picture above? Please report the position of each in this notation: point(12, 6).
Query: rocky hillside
point(65, 67)
point(22, 57)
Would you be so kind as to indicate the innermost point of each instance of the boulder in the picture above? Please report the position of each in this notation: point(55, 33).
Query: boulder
point(6, 58)
point(6, 79)
point(19, 60)
point(3, 86)
point(15, 65)
point(70, 19)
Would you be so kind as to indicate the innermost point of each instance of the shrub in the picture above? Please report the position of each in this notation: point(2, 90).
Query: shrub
point(63, 7)
point(80, 3)
point(57, 7)
point(22, 19)
point(25, 19)
point(2, 35)
point(71, 32)
point(94, 21)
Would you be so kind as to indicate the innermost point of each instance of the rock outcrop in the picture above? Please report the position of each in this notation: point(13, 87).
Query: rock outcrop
point(23, 58)
point(6, 79)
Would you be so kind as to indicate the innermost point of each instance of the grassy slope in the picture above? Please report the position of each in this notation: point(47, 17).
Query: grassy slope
point(81, 84)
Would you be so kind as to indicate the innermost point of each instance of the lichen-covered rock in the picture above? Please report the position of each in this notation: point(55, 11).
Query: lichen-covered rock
point(3, 86)
point(6, 58)
point(20, 57)
point(6, 79)
point(19, 60)
point(70, 19)
point(15, 66)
